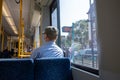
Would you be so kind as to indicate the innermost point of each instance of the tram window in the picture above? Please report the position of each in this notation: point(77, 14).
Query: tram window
point(80, 43)
point(54, 18)
point(53, 10)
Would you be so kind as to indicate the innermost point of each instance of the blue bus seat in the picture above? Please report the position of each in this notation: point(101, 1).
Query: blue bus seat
point(52, 69)
point(16, 69)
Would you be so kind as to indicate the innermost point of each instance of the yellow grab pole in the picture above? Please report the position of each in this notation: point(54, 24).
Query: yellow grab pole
point(2, 39)
point(19, 46)
point(41, 35)
point(34, 44)
point(8, 42)
point(22, 35)
point(1, 1)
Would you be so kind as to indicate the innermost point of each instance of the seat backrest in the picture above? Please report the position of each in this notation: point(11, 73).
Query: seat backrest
point(52, 69)
point(16, 69)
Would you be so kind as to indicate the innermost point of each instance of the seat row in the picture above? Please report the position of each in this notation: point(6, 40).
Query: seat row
point(39, 69)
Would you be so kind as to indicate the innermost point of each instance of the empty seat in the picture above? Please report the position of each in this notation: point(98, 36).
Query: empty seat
point(52, 69)
point(16, 69)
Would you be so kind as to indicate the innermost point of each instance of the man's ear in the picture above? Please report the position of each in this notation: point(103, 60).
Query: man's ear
point(47, 38)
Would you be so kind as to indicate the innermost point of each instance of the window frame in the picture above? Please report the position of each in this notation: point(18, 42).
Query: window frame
point(56, 4)
point(85, 68)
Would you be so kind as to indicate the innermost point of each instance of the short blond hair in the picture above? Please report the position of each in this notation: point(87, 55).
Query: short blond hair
point(51, 32)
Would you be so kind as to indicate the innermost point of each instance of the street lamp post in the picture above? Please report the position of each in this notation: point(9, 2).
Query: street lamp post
point(91, 24)
point(72, 55)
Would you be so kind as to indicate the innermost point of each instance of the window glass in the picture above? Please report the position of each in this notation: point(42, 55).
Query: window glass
point(78, 31)
point(54, 17)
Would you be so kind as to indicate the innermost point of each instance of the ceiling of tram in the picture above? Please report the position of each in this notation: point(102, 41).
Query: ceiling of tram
point(14, 9)
point(28, 10)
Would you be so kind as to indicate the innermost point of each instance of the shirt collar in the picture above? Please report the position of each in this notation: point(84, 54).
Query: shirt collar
point(50, 42)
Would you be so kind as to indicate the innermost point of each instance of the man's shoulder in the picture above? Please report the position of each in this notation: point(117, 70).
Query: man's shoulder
point(59, 49)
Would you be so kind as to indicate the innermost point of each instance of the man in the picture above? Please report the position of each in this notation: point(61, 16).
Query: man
point(49, 49)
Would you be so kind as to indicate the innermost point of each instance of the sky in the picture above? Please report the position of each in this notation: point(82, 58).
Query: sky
point(72, 11)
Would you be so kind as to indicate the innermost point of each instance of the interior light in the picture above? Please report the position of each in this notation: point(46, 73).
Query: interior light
point(8, 17)
point(10, 21)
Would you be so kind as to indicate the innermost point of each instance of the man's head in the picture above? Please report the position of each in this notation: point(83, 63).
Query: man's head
point(50, 33)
